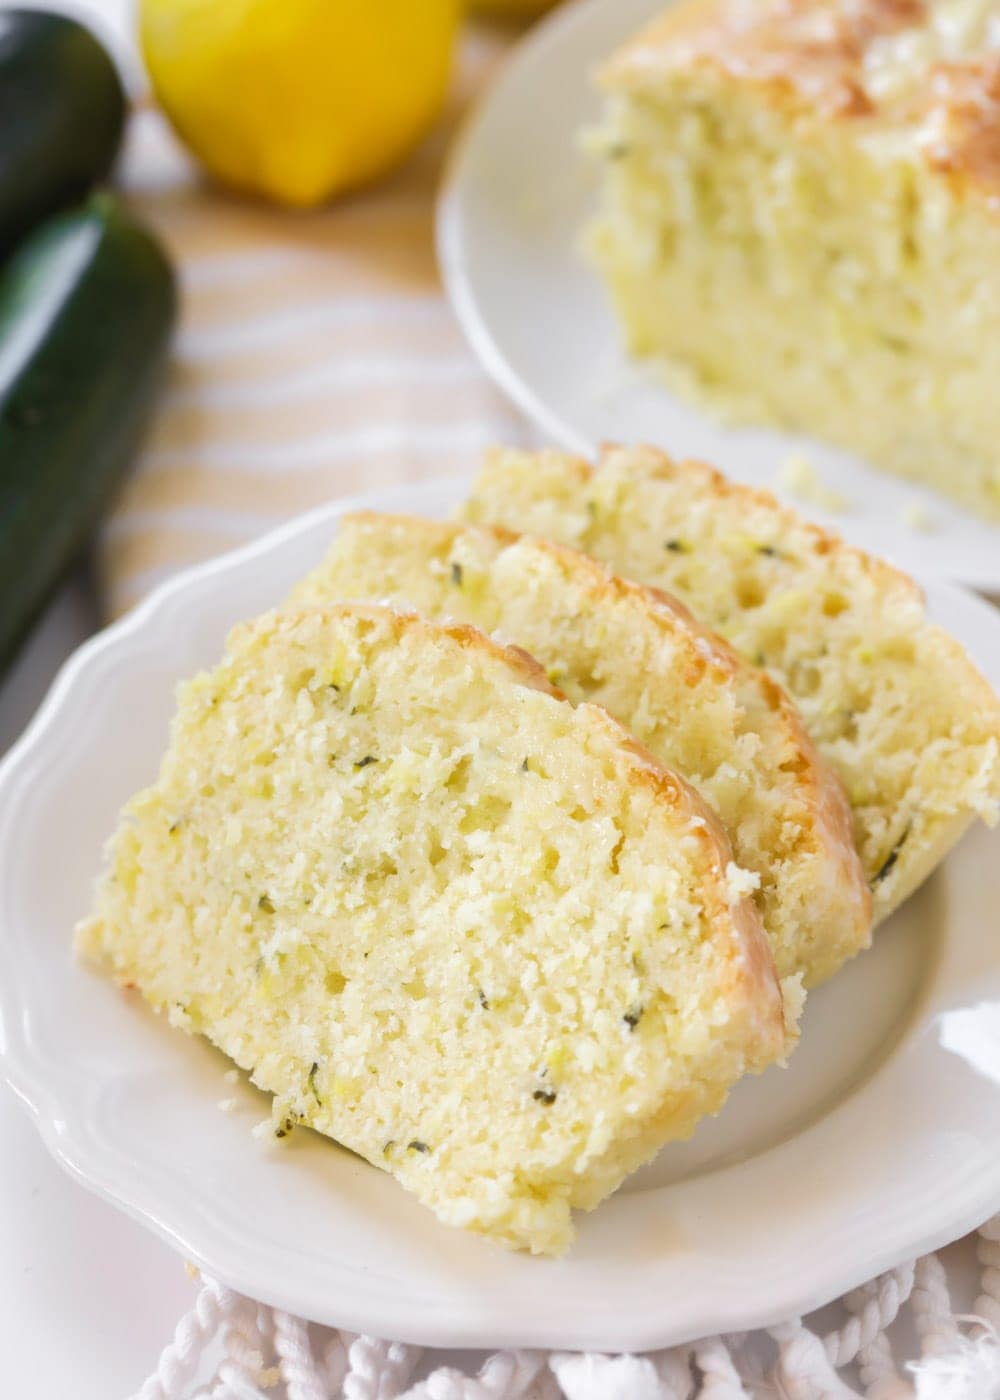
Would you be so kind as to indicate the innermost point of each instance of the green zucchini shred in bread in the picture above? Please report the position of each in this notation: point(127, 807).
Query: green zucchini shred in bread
point(722, 724)
point(469, 930)
point(891, 701)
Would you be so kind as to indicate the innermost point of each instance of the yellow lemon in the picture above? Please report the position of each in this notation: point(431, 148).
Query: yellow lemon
point(299, 99)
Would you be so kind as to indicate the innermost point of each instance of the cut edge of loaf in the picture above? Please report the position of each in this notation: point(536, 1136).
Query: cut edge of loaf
point(803, 210)
point(742, 988)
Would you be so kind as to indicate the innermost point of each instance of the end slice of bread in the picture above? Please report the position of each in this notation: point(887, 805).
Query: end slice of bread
point(799, 222)
point(476, 934)
point(723, 724)
point(891, 701)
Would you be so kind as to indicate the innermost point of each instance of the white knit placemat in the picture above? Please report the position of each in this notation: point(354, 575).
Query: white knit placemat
point(259, 1353)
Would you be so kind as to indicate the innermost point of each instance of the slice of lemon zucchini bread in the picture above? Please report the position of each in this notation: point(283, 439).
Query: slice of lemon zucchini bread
point(471, 931)
point(723, 724)
point(891, 701)
point(802, 215)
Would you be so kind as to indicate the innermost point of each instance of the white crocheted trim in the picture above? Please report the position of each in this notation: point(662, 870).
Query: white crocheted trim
point(267, 1355)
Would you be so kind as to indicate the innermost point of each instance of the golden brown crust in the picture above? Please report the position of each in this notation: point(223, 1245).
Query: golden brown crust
point(754, 978)
point(964, 120)
point(814, 53)
point(663, 608)
point(530, 672)
point(823, 790)
point(401, 620)
point(823, 542)
point(819, 787)
point(828, 802)
point(602, 580)
point(811, 48)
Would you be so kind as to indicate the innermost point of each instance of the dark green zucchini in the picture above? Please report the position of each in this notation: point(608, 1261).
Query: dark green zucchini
point(86, 308)
point(62, 112)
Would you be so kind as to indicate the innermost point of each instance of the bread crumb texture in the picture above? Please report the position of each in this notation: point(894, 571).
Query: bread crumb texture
point(469, 930)
point(892, 702)
point(684, 693)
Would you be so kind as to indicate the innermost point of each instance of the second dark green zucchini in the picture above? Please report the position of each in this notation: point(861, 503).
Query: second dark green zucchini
point(86, 309)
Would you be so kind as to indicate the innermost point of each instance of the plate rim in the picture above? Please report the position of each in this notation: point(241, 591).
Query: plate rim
point(767, 1307)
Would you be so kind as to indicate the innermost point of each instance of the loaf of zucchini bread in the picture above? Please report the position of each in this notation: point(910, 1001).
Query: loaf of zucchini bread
point(722, 723)
point(801, 219)
point(473, 932)
point(891, 701)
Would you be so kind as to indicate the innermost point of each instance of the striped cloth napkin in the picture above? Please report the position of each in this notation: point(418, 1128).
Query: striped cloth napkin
point(316, 355)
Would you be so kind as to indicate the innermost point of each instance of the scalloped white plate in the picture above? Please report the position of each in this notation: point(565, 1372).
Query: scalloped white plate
point(881, 1141)
point(517, 194)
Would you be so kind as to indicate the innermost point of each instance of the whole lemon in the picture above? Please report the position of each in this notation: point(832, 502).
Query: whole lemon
point(299, 99)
